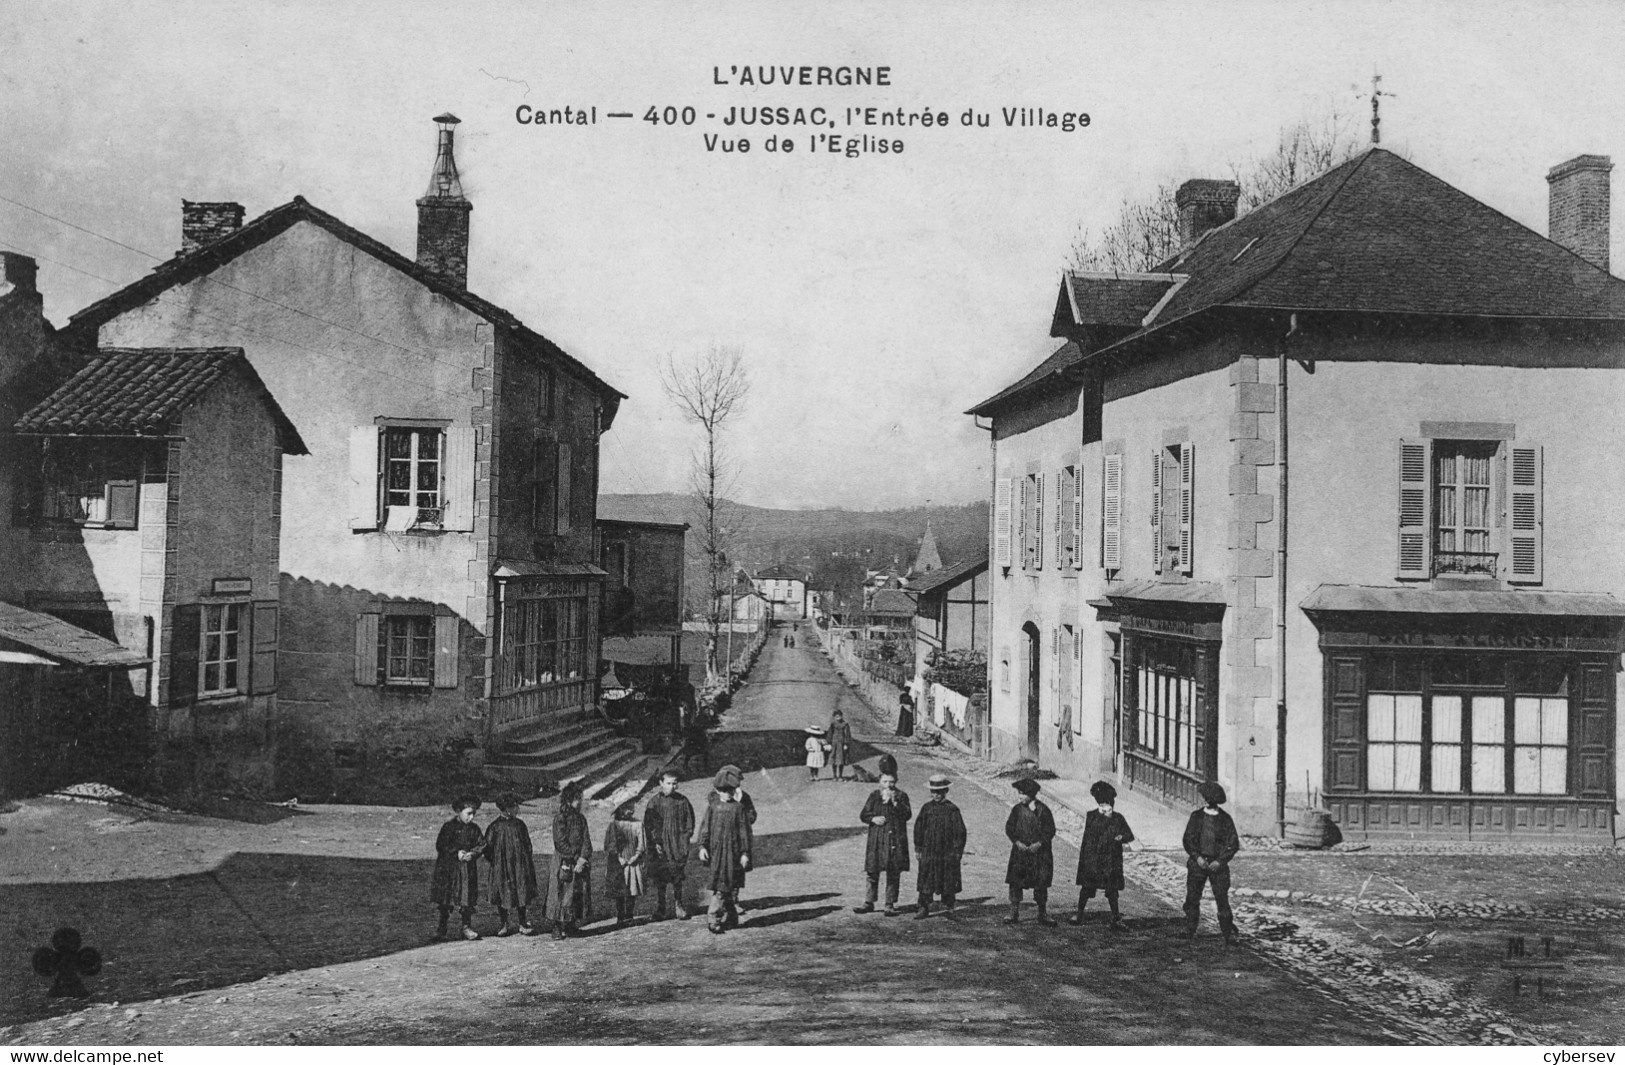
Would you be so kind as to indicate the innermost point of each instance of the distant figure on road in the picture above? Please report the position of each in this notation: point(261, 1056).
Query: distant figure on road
point(1030, 828)
point(1100, 855)
point(668, 824)
point(624, 850)
point(456, 869)
point(570, 902)
point(939, 842)
point(840, 745)
point(905, 713)
point(725, 845)
point(513, 866)
point(815, 746)
point(887, 814)
point(1210, 841)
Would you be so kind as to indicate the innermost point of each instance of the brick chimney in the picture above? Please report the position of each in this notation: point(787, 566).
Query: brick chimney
point(1577, 209)
point(443, 213)
point(1204, 204)
point(205, 223)
point(17, 274)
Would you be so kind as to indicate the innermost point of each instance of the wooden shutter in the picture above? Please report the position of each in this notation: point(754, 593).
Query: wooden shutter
point(1077, 517)
point(1021, 525)
point(263, 639)
point(446, 635)
point(185, 643)
point(1524, 529)
point(1593, 740)
point(1001, 523)
point(1038, 521)
point(364, 460)
point(1415, 509)
point(1187, 505)
point(457, 480)
point(1062, 501)
point(123, 500)
point(366, 649)
point(1055, 677)
point(566, 495)
point(1111, 514)
point(1345, 725)
point(1156, 511)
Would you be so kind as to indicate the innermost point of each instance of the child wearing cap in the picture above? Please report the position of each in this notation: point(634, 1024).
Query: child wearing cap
point(939, 841)
point(887, 813)
point(1031, 830)
point(815, 750)
point(513, 865)
point(1210, 841)
point(1100, 854)
point(624, 847)
point(456, 872)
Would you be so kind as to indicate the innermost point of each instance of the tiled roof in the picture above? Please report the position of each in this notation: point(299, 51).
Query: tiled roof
point(952, 574)
point(1379, 235)
point(55, 638)
point(1062, 359)
point(185, 268)
point(891, 601)
point(140, 392)
point(1117, 300)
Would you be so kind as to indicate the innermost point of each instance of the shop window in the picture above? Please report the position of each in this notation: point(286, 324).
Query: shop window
point(544, 641)
point(1171, 724)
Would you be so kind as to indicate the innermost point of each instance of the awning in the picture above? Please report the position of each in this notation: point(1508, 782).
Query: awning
point(1196, 593)
point(57, 640)
point(1358, 599)
point(576, 570)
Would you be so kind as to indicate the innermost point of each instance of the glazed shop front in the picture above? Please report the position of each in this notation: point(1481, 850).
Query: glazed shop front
point(1487, 724)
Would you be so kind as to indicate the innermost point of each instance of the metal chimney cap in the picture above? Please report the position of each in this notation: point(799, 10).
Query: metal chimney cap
point(447, 119)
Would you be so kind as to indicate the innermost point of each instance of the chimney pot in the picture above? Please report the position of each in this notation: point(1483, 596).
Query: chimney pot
point(205, 223)
point(1204, 204)
point(17, 273)
point(1577, 206)
point(443, 213)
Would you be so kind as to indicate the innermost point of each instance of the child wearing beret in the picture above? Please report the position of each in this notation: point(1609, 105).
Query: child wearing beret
point(1100, 855)
point(1210, 841)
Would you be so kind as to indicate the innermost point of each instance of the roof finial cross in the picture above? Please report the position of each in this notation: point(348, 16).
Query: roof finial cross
point(1376, 114)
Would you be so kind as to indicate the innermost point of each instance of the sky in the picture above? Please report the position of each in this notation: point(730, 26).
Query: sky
point(874, 298)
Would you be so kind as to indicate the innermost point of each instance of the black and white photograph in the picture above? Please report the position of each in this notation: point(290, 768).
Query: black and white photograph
point(816, 524)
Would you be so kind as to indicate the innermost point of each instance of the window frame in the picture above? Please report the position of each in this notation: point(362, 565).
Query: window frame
point(231, 610)
point(413, 431)
point(90, 463)
point(387, 624)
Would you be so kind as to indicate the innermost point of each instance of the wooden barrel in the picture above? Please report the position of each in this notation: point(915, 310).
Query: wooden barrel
point(1313, 831)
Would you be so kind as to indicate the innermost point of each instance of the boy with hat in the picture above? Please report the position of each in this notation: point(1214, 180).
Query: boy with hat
point(1210, 841)
point(815, 746)
point(668, 824)
point(939, 839)
point(725, 842)
point(513, 865)
point(1100, 854)
point(1030, 829)
point(887, 813)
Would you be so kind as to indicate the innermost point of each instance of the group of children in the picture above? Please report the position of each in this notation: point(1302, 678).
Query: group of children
point(833, 744)
point(653, 853)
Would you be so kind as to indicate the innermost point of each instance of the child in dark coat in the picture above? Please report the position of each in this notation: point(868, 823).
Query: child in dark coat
point(570, 903)
point(456, 872)
point(939, 841)
point(513, 865)
point(887, 813)
point(1100, 855)
point(1031, 831)
point(1210, 841)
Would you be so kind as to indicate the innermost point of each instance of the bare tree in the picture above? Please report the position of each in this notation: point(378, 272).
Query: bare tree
point(709, 389)
point(1146, 231)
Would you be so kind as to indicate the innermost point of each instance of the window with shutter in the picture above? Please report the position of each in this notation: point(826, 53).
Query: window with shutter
point(459, 479)
point(365, 457)
point(1111, 513)
point(1524, 533)
point(1156, 511)
point(366, 649)
point(446, 636)
point(1001, 523)
point(1077, 517)
point(1063, 497)
point(1021, 530)
point(1055, 677)
point(1187, 506)
point(1038, 521)
point(185, 640)
point(1415, 509)
point(263, 640)
point(566, 493)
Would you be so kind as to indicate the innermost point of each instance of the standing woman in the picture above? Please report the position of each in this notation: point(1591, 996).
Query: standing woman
point(570, 903)
point(905, 713)
point(1030, 829)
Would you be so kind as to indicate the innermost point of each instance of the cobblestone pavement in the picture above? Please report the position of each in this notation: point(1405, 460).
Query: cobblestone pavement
point(314, 929)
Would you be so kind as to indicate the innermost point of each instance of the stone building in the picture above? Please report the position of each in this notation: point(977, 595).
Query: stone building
point(1409, 593)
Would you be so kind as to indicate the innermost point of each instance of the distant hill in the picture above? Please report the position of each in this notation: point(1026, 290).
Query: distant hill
point(833, 546)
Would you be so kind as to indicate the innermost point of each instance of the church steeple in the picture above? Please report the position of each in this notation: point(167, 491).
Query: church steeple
point(928, 559)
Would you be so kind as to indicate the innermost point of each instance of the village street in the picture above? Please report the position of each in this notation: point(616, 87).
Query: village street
point(315, 928)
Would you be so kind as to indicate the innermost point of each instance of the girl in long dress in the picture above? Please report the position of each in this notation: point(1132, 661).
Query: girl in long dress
point(624, 848)
point(569, 900)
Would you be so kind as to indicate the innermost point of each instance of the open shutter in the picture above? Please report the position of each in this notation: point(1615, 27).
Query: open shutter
point(1055, 677)
point(1524, 533)
point(1021, 525)
point(185, 640)
point(263, 641)
point(1001, 523)
point(1062, 502)
point(566, 494)
point(1077, 517)
point(1111, 513)
point(1345, 739)
point(1593, 739)
point(457, 475)
point(123, 500)
point(543, 465)
point(1038, 521)
point(1156, 511)
point(366, 649)
point(1187, 505)
point(1415, 509)
point(446, 635)
point(364, 477)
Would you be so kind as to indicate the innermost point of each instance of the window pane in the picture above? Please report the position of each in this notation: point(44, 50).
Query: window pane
point(1489, 768)
point(1554, 770)
point(231, 676)
point(1379, 717)
point(1447, 719)
point(211, 648)
point(1408, 767)
point(1526, 770)
point(1446, 767)
point(1408, 718)
point(398, 478)
point(1380, 766)
point(428, 476)
point(1526, 720)
point(211, 677)
point(397, 444)
point(428, 444)
point(1554, 721)
point(1489, 719)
